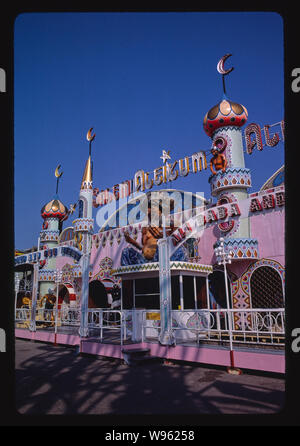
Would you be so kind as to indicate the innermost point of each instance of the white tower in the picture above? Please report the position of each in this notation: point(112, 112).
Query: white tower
point(83, 228)
point(53, 213)
point(230, 178)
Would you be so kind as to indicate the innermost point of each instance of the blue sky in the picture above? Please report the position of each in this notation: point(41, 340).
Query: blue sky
point(144, 82)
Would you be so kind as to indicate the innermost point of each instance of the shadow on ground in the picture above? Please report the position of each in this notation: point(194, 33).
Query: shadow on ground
point(54, 380)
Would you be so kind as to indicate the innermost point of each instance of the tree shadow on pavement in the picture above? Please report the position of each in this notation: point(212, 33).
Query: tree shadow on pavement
point(54, 380)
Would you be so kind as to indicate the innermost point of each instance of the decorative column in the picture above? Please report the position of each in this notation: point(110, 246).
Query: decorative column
point(207, 292)
point(32, 325)
point(58, 277)
point(166, 336)
point(195, 292)
point(85, 266)
point(181, 291)
point(84, 228)
point(17, 285)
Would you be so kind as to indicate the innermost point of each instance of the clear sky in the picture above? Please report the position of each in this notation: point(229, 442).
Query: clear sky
point(144, 82)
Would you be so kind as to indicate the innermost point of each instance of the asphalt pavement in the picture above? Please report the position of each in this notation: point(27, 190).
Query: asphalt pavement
point(55, 380)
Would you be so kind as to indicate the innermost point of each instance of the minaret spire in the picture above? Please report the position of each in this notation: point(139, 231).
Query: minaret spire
point(58, 175)
point(221, 70)
point(90, 138)
point(83, 228)
point(87, 178)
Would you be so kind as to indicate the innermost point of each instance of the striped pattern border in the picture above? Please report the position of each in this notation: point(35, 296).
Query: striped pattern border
point(154, 266)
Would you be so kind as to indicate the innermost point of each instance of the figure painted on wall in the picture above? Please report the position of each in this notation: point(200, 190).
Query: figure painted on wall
point(218, 161)
point(147, 251)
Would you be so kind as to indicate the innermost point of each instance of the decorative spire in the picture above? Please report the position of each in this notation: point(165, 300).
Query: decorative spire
point(90, 138)
point(221, 70)
point(58, 175)
point(87, 179)
point(165, 156)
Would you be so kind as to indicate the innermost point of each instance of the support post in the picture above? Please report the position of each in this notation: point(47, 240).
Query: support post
point(228, 313)
point(32, 325)
point(181, 291)
point(58, 276)
point(207, 292)
point(17, 285)
point(83, 330)
point(195, 293)
point(133, 293)
point(166, 336)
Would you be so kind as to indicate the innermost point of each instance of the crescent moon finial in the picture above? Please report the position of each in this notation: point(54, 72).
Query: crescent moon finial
point(220, 65)
point(89, 135)
point(221, 70)
point(57, 173)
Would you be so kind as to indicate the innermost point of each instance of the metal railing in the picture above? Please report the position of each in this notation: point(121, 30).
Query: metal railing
point(150, 324)
point(65, 316)
point(69, 316)
point(249, 326)
point(104, 322)
point(22, 315)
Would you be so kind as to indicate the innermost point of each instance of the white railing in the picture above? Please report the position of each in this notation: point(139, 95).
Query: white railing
point(150, 324)
point(248, 326)
point(65, 316)
point(22, 315)
point(45, 316)
point(251, 326)
point(69, 316)
point(105, 322)
point(42, 316)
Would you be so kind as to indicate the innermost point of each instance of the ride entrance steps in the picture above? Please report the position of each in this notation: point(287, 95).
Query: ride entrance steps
point(135, 356)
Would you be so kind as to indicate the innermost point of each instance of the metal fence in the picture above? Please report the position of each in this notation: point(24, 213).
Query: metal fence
point(250, 326)
point(22, 315)
point(107, 324)
point(46, 317)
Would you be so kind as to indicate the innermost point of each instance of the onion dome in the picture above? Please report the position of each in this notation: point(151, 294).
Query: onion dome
point(55, 209)
point(225, 113)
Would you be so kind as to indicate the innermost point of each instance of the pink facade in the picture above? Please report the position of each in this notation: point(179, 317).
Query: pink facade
point(269, 229)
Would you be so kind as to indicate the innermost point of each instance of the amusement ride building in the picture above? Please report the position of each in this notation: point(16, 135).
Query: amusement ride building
point(213, 280)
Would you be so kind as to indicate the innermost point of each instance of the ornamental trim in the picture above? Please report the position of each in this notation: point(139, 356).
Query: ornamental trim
point(233, 177)
point(49, 235)
point(154, 266)
point(245, 278)
point(243, 248)
point(84, 224)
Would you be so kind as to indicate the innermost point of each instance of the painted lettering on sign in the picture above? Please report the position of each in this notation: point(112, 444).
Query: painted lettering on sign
point(144, 181)
point(47, 254)
point(253, 136)
point(268, 201)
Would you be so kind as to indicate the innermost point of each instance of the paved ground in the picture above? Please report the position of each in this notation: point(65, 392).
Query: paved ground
point(54, 380)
